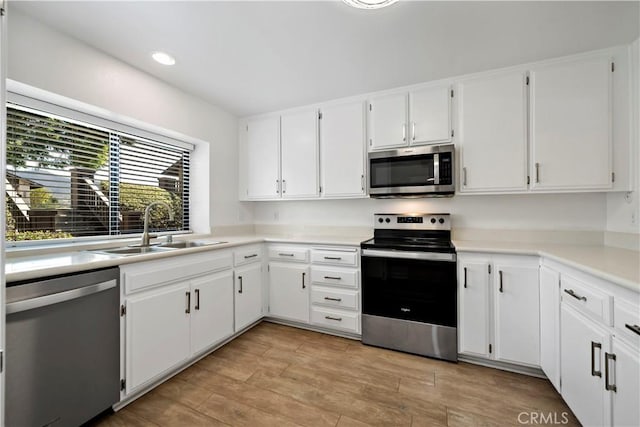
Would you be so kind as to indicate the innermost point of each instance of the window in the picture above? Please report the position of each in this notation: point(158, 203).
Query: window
point(67, 178)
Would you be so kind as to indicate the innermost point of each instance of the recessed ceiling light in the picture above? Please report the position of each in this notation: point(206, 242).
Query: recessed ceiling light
point(163, 58)
point(369, 4)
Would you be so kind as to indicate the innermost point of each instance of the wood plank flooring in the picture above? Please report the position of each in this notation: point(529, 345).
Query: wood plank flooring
point(275, 375)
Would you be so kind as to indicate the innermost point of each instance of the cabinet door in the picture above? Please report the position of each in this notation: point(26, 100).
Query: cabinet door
point(263, 163)
point(211, 310)
point(289, 291)
point(550, 324)
point(624, 373)
point(248, 295)
point(300, 154)
point(430, 115)
point(583, 344)
point(517, 313)
point(571, 125)
point(473, 280)
point(342, 150)
point(388, 121)
point(157, 333)
point(492, 133)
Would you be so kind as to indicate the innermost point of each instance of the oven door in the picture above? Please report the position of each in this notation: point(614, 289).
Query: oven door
point(409, 171)
point(416, 286)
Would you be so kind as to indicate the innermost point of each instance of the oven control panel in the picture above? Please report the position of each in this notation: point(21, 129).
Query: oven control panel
point(413, 221)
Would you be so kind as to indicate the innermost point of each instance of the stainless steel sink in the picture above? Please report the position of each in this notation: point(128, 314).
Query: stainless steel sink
point(189, 244)
point(134, 250)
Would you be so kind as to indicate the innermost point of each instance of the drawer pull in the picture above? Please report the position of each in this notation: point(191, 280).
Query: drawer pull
point(333, 258)
point(333, 277)
point(240, 288)
point(607, 385)
point(188, 309)
point(251, 256)
point(285, 254)
point(576, 296)
point(333, 299)
point(339, 319)
point(595, 345)
point(197, 299)
point(633, 328)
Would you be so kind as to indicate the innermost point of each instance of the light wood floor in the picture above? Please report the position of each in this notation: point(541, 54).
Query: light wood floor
point(274, 375)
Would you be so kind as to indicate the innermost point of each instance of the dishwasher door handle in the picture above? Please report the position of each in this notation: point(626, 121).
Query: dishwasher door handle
point(43, 301)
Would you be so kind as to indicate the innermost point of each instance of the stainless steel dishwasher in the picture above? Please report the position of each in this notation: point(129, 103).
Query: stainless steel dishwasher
point(63, 349)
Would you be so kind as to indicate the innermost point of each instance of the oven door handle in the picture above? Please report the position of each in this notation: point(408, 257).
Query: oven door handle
point(426, 256)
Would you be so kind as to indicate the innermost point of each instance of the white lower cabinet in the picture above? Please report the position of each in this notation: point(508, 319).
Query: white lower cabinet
point(248, 295)
point(499, 308)
point(550, 324)
point(624, 382)
point(289, 291)
point(167, 323)
point(583, 344)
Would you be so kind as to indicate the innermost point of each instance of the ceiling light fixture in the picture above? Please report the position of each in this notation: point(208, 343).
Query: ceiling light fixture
point(369, 4)
point(163, 58)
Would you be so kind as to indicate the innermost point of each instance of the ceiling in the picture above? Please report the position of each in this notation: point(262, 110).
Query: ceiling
point(252, 57)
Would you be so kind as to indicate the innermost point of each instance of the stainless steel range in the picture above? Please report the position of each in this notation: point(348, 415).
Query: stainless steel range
point(409, 285)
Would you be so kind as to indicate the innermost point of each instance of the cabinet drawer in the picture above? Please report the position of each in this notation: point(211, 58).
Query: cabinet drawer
point(626, 319)
point(339, 298)
point(335, 276)
point(247, 255)
point(289, 253)
point(144, 275)
point(335, 257)
point(587, 299)
point(335, 319)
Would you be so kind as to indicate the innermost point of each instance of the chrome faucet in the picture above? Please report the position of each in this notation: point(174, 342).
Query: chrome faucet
point(145, 234)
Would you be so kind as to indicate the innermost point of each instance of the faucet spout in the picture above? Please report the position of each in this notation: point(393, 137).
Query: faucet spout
point(146, 237)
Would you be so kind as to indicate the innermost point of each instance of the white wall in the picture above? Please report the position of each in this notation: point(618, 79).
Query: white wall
point(623, 209)
point(47, 59)
point(520, 212)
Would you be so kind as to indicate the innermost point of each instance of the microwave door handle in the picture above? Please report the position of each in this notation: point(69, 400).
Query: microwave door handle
point(436, 169)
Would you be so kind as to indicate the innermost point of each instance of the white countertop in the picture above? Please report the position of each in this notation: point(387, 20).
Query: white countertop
point(620, 266)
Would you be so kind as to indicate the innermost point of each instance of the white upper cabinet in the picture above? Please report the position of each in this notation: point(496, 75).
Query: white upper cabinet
point(342, 151)
point(422, 116)
point(388, 121)
point(492, 133)
point(570, 124)
point(430, 115)
point(263, 158)
point(299, 145)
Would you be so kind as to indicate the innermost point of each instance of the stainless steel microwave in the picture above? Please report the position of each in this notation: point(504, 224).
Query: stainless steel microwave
point(425, 171)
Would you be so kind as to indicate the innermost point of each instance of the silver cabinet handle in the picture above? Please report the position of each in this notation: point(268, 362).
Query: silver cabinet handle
point(277, 186)
point(240, 288)
point(333, 258)
point(500, 274)
point(333, 277)
point(633, 328)
point(576, 296)
point(197, 299)
point(284, 186)
point(188, 309)
point(607, 385)
point(413, 131)
point(283, 254)
point(464, 176)
point(595, 345)
point(362, 182)
point(404, 131)
point(465, 276)
point(303, 285)
point(250, 256)
point(333, 299)
point(537, 172)
point(339, 319)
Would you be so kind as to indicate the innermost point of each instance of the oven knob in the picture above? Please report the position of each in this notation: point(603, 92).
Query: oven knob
point(388, 220)
point(441, 220)
point(433, 220)
point(380, 220)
